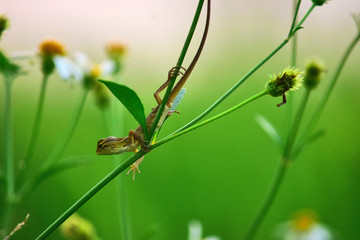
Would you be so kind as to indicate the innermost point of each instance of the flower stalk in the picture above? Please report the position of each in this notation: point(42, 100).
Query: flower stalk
point(37, 122)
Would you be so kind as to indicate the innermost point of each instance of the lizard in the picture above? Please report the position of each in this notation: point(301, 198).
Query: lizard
point(135, 139)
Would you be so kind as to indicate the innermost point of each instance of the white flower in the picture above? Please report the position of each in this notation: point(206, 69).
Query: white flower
point(303, 227)
point(80, 65)
point(195, 232)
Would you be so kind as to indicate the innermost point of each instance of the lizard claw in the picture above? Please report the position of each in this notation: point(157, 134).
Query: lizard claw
point(135, 167)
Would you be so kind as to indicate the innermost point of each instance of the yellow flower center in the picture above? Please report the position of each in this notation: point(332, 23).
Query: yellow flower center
point(51, 48)
point(95, 71)
point(304, 220)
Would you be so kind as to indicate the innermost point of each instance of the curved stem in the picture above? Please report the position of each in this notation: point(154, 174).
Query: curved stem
point(90, 194)
point(179, 63)
point(178, 134)
point(37, 122)
point(278, 179)
point(243, 79)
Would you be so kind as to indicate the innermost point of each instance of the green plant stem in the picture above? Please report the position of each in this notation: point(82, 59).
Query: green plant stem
point(8, 142)
point(37, 123)
point(173, 136)
point(67, 135)
point(243, 79)
point(295, 126)
point(122, 202)
point(279, 176)
point(296, 11)
point(8, 158)
point(179, 63)
point(90, 194)
point(270, 196)
point(320, 108)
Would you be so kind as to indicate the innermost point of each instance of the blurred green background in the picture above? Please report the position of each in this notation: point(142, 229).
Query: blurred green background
point(218, 174)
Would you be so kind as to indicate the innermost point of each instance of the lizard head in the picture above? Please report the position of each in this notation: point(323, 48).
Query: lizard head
point(112, 145)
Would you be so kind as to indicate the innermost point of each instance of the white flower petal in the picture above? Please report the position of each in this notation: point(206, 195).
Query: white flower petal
point(67, 69)
point(195, 230)
point(107, 67)
point(82, 60)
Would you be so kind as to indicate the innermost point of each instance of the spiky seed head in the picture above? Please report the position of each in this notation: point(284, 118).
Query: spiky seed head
point(288, 80)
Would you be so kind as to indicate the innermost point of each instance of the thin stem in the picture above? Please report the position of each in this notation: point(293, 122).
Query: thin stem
point(295, 126)
point(171, 137)
point(37, 123)
point(316, 116)
point(8, 142)
point(270, 196)
point(243, 79)
point(294, 39)
point(102, 183)
point(67, 135)
point(296, 11)
point(179, 63)
point(8, 158)
point(122, 202)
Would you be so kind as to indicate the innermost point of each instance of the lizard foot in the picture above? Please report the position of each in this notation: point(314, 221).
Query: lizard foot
point(135, 167)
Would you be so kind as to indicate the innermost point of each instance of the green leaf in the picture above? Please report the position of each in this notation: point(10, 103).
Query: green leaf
point(130, 100)
point(269, 129)
point(63, 165)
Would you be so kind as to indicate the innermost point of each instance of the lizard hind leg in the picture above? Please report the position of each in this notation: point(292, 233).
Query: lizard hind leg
point(135, 167)
point(172, 72)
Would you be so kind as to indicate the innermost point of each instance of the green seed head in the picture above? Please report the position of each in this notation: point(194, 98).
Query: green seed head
point(77, 228)
point(319, 2)
point(289, 80)
point(313, 73)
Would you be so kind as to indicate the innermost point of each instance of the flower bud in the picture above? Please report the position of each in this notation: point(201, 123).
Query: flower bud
point(48, 49)
point(77, 228)
point(313, 73)
point(116, 52)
